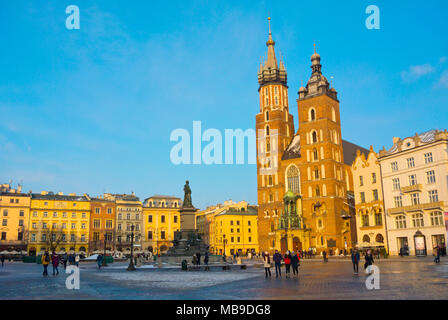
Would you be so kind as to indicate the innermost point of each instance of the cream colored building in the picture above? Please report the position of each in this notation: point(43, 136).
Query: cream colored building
point(370, 220)
point(414, 173)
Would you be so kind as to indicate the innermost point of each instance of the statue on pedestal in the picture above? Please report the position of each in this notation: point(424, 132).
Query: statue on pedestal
point(188, 203)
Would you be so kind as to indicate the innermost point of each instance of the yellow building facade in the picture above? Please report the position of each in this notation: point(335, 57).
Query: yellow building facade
point(14, 211)
point(230, 227)
point(58, 223)
point(161, 218)
point(370, 219)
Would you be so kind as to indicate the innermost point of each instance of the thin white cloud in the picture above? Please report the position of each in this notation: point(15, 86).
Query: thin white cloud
point(416, 72)
point(442, 60)
point(443, 80)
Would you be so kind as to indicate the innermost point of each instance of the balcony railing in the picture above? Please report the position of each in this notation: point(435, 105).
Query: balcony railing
point(412, 188)
point(418, 207)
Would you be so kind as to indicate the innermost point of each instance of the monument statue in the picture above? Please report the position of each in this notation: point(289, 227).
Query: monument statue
point(187, 196)
point(187, 241)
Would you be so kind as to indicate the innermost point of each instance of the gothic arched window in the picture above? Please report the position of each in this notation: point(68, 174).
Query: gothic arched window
point(267, 115)
point(293, 179)
point(267, 130)
point(312, 114)
point(314, 136)
point(315, 155)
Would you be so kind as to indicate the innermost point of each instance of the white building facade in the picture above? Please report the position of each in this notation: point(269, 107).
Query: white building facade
point(415, 183)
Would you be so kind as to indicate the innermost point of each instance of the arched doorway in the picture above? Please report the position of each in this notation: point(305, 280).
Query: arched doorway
point(283, 245)
point(297, 244)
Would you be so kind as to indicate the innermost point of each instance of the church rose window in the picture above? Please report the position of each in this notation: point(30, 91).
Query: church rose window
point(293, 179)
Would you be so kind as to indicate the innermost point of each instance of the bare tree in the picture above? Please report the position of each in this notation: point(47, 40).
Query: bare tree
point(53, 236)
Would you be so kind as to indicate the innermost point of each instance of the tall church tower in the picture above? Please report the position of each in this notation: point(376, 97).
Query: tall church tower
point(322, 174)
point(275, 129)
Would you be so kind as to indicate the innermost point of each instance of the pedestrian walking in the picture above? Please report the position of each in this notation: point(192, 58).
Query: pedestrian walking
point(195, 260)
point(45, 262)
point(287, 260)
point(438, 252)
point(355, 260)
point(324, 255)
point(99, 260)
point(278, 262)
point(2, 258)
point(64, 260)
point(77, 260)
point(295, 262)
point(369, 259)
point(198, 255)
point(55, 263)
point(207, 268)
point(267, 264)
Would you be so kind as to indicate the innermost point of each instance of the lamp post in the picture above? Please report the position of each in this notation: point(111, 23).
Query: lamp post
point(224, 242)
point(104, 264)
point(131, 262)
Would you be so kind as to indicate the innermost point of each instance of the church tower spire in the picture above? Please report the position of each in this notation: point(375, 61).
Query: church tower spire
point(269, 70)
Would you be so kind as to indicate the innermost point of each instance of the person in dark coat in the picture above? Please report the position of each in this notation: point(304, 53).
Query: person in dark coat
point(324, 255)
point(295, 261)
point(206, 262)
point(355, 260)
point(2, 258)
point(99, 260)
point(45, 262)
point(55, 263)
point(198, 255)
point(369, 259)
point(278, 262)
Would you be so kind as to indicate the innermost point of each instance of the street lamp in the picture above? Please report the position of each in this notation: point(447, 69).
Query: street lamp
point(224, 242)
point(104, 264)
point(131, 262)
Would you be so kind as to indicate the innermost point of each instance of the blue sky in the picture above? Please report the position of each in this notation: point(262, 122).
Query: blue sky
point(91, 110)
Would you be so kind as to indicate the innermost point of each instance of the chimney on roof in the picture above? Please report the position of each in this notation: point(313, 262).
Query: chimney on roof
point(395, 139)
point(19, 189)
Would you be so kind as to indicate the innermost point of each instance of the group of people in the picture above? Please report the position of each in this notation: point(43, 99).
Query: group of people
point(289, 259)
point(356, 257)
point(196, 261)
point(56, 260)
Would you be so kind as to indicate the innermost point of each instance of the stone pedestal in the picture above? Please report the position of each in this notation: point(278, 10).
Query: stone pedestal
point(188, 219)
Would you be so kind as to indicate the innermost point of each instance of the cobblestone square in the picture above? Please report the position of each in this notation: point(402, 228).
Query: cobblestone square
point(407, 278)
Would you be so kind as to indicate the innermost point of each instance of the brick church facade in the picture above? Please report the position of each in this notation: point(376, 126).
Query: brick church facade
point(304, 176)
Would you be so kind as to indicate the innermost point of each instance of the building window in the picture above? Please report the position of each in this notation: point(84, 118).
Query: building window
point(365, 220)
point(34, 225)
point(96, 236)
point(33, 237)
point(316, 173)
point(396, 183)
point(312, 115)
point(378, 219)
point(119, 228)
point(315, 155)
point(317, 191)
point(5, 222)
point(417, 220)
point(150, 218)
point(363, 197)
point(73, 225)
point(45, 214)
point(293, 179)
point(35, 214)
point(97, 210)
point(431, 176)
point(55, 214)
point(22, 213)
point(109, 210)
point(373, 177)
point(415, 199)
point(411, 163)
point(428, 157)
point(162, 219)
point(44, 225)
point(175, 219)
point(108, 224)
point(314, 136)
point(433, 196)
point(54, 226)
point(83, 238)
point(150, 235)
point(436, 218)
point(398, 202)
point(120, 216)
point(128, 216)
point(73, 214)
point(64, 226)
point(375, 195)
point(361, 181)
point(394, 166)
point(64, 214)
point(96, 223)
point(400, 222)
point(162, 235)
point(412, 180)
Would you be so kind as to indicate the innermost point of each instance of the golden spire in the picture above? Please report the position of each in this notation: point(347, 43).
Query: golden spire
point(270, 41)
